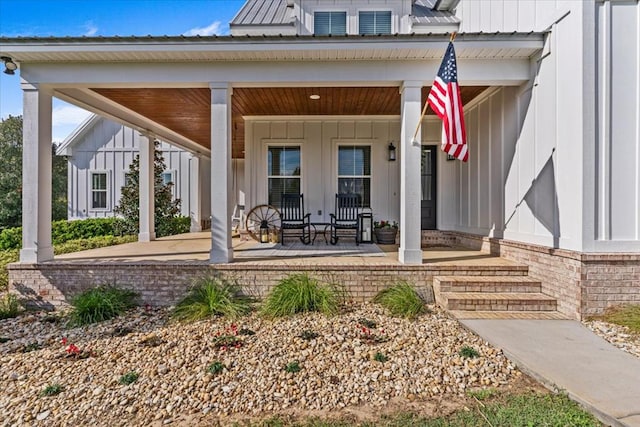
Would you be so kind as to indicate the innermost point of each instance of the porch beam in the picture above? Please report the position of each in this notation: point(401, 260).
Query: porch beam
point(410, 233)
point(147, 191)
point(36, 175)
point(221, 197)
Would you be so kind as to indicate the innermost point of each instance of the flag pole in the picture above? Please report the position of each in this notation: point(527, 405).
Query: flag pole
point(426, 102)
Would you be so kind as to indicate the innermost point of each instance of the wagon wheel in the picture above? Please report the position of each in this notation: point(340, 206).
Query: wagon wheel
point(261, 213)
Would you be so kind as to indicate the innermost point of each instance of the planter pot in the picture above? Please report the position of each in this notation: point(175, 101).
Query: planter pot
point(386, 236)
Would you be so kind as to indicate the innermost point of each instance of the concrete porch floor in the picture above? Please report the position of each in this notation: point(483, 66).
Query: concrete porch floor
point(195, 247)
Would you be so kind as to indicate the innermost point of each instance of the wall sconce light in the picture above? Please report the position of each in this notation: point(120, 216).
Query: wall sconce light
point(392, 152)
point(9, 66)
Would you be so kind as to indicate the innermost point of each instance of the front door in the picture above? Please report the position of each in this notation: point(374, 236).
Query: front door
point(428, 204)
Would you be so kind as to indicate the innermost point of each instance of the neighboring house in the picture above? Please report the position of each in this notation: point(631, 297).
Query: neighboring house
point(312, 95)
point(100, 152)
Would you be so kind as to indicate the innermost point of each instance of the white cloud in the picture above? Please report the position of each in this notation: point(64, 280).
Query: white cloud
point(68, 115)
point(212, 29)
point(90, 28)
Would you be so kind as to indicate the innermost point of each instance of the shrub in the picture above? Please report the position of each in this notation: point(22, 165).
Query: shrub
point(6, 257)
point(9, 306)
point(129, 378)
point(299, 293)
point(173, 225)
point(468, 352)
point(401, 300)
point(51, 390)
point(216, 367)
point(211, 296)
point(92, 243)
point(11, 238)
point(100, 303)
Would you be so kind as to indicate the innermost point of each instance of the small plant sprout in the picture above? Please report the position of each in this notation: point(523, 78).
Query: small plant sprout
point(379, 357)
point(129, 378)
point(367, 323)
point(52, 390)
point(246, 332)
point(308, 335)
point(292, 367)
point(32, 346)
point(468, 352)
point(216, 367)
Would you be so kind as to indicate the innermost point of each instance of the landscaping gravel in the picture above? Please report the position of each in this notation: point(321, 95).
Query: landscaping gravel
point(619, 336)
point(338, 369)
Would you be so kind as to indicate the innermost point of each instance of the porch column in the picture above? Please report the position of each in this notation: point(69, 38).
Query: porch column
point(221, 248)
point(147, 230)
point(36, 175)
point(196, 201)
point(410, 233)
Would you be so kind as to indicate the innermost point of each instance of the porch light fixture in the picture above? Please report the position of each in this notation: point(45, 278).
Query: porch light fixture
point(9, 66)
point(314, 97)
point(392, 152)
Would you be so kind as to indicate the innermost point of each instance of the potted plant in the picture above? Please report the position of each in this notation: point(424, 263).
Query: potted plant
point(385, 232)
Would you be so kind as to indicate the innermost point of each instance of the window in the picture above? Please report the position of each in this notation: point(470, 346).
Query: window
point(283, 170)
point(354, 171)
point(334, 23)
point(98, 190)
point(375, 22)
point(169, 178)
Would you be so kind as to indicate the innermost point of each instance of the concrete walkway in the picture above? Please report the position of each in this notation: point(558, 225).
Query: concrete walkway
point(565, 355)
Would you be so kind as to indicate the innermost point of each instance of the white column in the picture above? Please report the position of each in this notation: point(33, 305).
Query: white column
point(36, 175)
point(221, 248)
point(410, 233)
point(196, 201)
point(147, 208)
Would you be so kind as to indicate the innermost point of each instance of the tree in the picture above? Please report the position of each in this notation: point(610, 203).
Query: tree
point(11, 176)
point(165, 207)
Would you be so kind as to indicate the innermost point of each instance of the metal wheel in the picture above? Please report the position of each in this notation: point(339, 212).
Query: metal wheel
point(261, 213)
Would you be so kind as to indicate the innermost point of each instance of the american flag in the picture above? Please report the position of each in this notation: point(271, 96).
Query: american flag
point(444, 99)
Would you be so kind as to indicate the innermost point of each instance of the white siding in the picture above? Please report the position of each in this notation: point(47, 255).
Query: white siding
point(318, 139)
point(108, 146)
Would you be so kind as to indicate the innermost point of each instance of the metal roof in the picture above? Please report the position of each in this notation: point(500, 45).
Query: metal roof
point(264, 12)
point(423, 13)
point(267, 48)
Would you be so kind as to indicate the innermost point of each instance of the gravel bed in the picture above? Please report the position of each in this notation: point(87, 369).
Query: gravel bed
point(619, 336)
point(337, 369)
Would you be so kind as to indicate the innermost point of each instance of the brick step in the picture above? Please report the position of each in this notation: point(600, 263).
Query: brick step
point(488, 284)
point(496, 301)
point(534, 315)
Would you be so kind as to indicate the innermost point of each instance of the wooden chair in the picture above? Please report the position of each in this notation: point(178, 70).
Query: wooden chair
point(293, 217)
point(345, 217)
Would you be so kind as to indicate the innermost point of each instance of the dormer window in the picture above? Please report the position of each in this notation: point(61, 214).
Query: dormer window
point(330, 23)
point(375, 22)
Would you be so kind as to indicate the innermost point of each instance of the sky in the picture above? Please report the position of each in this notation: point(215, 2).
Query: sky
point(59, 18)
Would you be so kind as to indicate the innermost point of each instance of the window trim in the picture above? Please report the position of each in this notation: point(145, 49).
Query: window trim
point(107, 190)
point(322, 10)
point(392, 25)
point(284, 143)
point(354, 143)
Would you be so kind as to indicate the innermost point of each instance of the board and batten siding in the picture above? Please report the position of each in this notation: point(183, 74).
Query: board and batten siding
point(578, 127)
point(110, 147)
point(319, 139)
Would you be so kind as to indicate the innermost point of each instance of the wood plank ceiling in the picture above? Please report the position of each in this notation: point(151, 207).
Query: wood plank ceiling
point(188, 111)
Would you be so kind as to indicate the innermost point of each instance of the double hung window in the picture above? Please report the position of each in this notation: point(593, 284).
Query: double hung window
point(334, 23)
point(354, 171)
point(98, 190)
point(283, 170)
point(375, 22)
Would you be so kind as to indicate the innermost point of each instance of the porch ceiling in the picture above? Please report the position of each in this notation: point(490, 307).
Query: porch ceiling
point(187, 111)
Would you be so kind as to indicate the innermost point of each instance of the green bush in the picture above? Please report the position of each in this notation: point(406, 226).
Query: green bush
point(9, 306)
point(174, 225)
point(211, 296)
point(92, 243)
point(11, 238)
point(100, 303)
point(401, 300)
point(6, 257)
point(300, 293)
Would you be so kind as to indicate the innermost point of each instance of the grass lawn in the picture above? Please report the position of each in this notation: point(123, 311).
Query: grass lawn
point(625, 315)
point(529, 409)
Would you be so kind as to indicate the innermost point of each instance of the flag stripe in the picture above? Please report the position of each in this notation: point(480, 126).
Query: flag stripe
point(444, 99)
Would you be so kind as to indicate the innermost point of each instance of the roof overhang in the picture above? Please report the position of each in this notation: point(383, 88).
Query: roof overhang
point(269, 48)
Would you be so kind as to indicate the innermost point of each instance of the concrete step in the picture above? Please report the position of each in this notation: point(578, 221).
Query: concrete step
point(496, 301)
point(519, 284)
point(533, 315)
